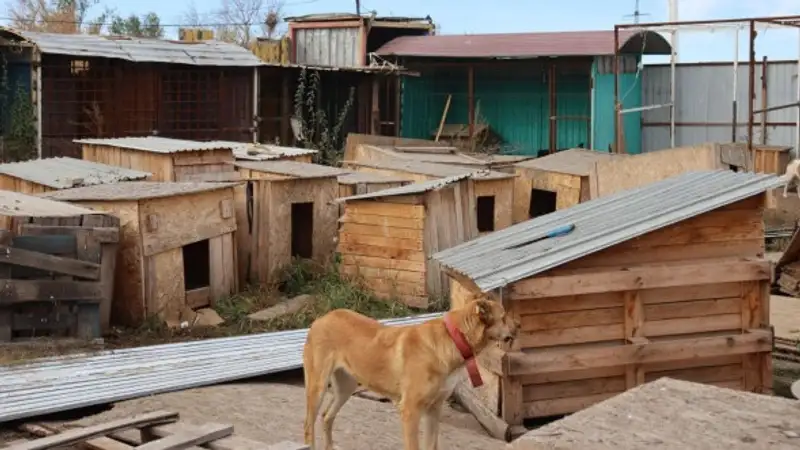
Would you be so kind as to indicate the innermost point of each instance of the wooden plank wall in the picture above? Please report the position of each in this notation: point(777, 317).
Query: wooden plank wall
point(160, 165)
point(356, 139)
point(503, 192)
point(211, 161)
point(767, 159)
point(383, 243)
point(583, 307)
point(568, 189)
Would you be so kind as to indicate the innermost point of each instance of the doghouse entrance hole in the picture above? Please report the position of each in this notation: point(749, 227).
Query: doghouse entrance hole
point(196, 265)
point(302, 230)
point(542, 202)
point(733, 168)
point(485, 213)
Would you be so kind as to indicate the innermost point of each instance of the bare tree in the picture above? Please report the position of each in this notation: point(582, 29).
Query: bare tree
point(53, 16)
point(192, 18)
point(240, 20)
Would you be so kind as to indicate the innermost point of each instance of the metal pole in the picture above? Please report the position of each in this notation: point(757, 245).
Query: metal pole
point(37, 58)
point(616, 89)
point(256, 121)
point(751, 86)
point(797, 111)
point(734, 124)
point(672, 63)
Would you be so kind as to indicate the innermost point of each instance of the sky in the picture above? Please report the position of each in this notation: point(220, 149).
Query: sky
point(515, 16)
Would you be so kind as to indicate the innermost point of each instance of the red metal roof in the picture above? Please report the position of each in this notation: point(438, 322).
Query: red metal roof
point(525, 45)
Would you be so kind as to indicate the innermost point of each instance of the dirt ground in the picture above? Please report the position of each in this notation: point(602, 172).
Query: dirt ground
point(272, 410)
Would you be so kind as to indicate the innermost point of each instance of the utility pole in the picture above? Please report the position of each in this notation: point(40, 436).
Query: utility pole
point(358, 7)
point(636, 13)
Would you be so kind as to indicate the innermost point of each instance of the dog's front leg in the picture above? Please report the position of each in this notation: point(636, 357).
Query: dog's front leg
point(430, 430)
point(410, 412)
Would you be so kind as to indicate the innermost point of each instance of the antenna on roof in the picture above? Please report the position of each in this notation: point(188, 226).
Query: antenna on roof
point(358, 7)
point(636, 14)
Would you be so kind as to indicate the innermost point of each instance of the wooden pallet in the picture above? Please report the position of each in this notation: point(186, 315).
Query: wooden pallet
point(159, 430)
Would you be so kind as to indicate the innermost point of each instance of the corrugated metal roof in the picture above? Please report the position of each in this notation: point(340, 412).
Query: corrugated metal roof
point(369, 177)
point(64, 172)
point(292, 168)
point(516, 253)
point(409, 189)
point(14, 204)
point(133, 190)
point(262, 152)
point(433, 169)
point(155, 144)
point(574, 161)
point(202, 53)
point(58, 384)
point(524, 45)
point(418, 154)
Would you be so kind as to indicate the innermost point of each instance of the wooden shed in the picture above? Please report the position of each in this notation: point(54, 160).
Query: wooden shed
point(247, 151)
point(292, 214)
point(177, 249)
point(554, 182)
point(50, 174)
point(56, 269)
point(666, 280)
point(167, 159)
point(388, 236)
point(494, 191)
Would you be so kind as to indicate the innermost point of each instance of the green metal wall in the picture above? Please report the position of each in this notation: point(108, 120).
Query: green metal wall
point(513, 102)
point(631, 93)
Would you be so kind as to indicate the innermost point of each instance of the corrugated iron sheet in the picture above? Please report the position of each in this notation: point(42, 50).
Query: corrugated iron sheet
point(522, 251)
point(200, 53)
point(292, 168)
point(409, 189)
point(133, 190)
point(518, 45)
point(434, 169)
point(15, 204)
point(64, 173)
point(60, 384)
point(157, 144)
point(262, 152)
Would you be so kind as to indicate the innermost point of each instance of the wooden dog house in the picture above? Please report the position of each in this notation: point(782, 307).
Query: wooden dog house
point(771, 158)
point(292, 215)
point(247, 151)
point(355, 183)
point(50, 174)
point(57, 268)
point(167, 159)
point(176, 247)
point(440, 155)
point(668, 280)
point(387, 236)
point(494, 191)
point(554, 182)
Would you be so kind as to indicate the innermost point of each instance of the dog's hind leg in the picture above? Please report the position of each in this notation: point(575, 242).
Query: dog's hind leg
point(316, 384)
point(410, 413)
point(343, 386)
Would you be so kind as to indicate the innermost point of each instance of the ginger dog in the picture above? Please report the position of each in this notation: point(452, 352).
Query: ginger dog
point(416, 366)
point(792, 174)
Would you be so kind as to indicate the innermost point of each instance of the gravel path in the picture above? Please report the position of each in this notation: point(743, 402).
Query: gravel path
point(273, 412)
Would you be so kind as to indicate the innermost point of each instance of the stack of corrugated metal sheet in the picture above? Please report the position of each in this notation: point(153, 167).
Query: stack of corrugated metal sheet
point(59, 384)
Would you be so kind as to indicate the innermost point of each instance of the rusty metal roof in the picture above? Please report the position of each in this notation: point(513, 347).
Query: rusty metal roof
point(157, 144)
point(575, 161)
point(202, 53)
point(249, 151)
point(292, 168)
point(17, 204)
point(133, 190)
point(525, 45)
point(525, 249)
point(64, 172)
point(409, 189)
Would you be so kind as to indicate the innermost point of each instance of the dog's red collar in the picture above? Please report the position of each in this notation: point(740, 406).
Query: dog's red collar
point(465, 349)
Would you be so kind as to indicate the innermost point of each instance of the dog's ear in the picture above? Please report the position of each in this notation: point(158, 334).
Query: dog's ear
point(484, 311)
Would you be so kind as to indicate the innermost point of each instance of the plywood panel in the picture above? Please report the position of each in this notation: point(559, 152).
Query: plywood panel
point(174, 222)
point(164, 285)
point(222, 266)
point(503, 193)
point(160, 165)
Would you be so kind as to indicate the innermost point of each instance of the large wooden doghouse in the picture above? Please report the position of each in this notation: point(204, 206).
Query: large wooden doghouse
point(167, 159)
point(494, 191)
point(177, 250)
point(666, 280)
point(56, 268)
point(554, 182)
point(388, 236)
point(292, 214)
point(50, 174)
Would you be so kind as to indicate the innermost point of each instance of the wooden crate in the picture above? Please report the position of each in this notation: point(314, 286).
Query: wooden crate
point(554, 182)
point(771, 158)
point(56, 273)
point(493, 191)
point(688, 301)
point(177, 249)
point(167, 159)
point(387, 237)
